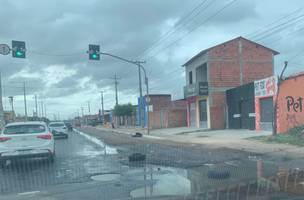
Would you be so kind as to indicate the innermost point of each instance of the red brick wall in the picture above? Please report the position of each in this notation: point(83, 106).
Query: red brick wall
point(224, 74)
point(256, 71)
point(252, 51)
point(224, 65)
point(160, 102)
point(257, 62)
point(228, 50)
point(168, 119)
point(217, 117)
point(217, 110)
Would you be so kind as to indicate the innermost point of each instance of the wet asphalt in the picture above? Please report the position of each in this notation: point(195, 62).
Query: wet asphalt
point(77, 159)
point(84, 170)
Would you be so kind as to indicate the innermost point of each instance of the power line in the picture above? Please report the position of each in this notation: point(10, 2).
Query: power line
point(179, 25)
point(56, 55)
point(253, 34)
point(282, 26)
point(193, 29)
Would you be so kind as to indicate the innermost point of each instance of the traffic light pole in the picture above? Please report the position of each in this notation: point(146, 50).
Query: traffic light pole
point(138, 64)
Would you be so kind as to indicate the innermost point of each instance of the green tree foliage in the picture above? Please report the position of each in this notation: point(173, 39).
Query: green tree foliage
point(124, 110)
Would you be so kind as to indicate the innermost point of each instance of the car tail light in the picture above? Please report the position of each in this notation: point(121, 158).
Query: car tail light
point(4, 139)
point(45, 137)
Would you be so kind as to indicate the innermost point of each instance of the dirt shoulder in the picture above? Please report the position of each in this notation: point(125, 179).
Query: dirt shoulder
point(165, 152)
point(202, 143)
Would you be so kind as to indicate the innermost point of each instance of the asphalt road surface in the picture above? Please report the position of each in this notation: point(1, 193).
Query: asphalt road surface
point(85, 169)
point(77, 159)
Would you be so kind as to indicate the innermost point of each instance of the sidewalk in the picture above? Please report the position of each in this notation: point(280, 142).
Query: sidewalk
point(228, 138)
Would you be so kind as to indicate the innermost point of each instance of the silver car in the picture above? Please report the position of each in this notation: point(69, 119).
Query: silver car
point(59, 129)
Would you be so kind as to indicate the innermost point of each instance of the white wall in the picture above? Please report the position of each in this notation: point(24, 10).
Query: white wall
point(192, 67)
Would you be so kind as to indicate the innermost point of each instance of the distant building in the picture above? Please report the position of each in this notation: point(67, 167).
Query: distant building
point(9, 116)
point(214, 70)
point(165, 113)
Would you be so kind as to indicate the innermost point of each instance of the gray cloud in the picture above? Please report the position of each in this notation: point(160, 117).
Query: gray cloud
point(125, 28)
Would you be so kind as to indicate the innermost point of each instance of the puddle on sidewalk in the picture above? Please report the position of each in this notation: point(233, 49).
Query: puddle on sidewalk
point(232, 179)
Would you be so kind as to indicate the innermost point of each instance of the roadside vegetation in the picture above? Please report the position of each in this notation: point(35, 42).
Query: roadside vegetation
point(294, 136)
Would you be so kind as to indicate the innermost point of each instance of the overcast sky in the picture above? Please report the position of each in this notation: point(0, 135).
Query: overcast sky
point(164, 33)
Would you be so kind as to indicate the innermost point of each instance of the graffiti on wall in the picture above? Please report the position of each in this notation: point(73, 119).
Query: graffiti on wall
point(294, 104)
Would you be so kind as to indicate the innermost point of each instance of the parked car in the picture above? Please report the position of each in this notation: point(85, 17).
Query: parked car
point(59, 130)
point(26, 140)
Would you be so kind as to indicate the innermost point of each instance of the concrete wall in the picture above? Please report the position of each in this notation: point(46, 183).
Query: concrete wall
point(192, 67)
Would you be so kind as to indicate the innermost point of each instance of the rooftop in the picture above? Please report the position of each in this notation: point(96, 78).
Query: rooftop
point(238, 38)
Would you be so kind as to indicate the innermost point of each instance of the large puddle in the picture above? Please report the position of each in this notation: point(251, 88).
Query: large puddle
point(249, 179)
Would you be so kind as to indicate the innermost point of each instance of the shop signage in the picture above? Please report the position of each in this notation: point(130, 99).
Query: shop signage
point(203, 88)
point(196, 89)
point(265, 87)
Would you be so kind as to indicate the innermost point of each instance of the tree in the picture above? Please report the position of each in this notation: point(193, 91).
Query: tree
point(123, 110)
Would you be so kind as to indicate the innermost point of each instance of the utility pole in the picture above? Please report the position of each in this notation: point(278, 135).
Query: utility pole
point(89, 107)
point(140, 104)
point(36, 105)
point(81, 111)
point(102, 106)
point(116, 92)
point(25, 106)
point(42, 112)
point(2, 122)
point(45, 111)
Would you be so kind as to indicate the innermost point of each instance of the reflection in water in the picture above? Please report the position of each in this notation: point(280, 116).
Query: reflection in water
point(158, 183)
point(247, 180)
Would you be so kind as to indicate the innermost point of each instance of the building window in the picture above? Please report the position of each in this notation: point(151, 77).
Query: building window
point(190, 77)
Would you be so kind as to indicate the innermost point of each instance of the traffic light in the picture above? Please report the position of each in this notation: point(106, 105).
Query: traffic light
point(94, 52)
point(18, 49)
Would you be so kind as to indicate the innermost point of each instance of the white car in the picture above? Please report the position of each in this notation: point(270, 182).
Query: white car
point(26, 140)
point(59, 129)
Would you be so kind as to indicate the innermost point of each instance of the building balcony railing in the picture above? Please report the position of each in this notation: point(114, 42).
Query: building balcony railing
point(196, 89)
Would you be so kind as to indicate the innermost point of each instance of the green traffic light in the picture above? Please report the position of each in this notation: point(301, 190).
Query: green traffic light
point(19, 53)
point(94, 56)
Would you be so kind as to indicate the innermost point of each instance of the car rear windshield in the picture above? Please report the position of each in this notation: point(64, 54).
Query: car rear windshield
point(56, 125)
point(24, 129)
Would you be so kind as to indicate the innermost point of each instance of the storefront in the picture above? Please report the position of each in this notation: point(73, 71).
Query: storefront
point(265, 92)
point(197, 105)
point(240, 103)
